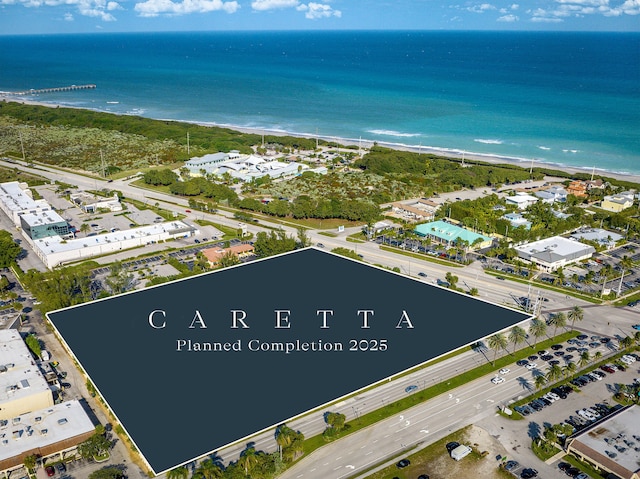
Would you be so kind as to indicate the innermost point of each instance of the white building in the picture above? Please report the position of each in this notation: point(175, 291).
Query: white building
point(55, 250)
point(90, 204)
point(552, 194)
point(22, 386)
point(552, 253)
point(521, 200)
point(16, 200)
point(211, 163)
point(52, 432)
point(608, 239)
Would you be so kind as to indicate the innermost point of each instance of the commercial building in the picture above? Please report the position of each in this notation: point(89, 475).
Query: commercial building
point(618, 202)
point(552, 253)
point(214, 255)
point(44, 224)
point(90, 203)
point(608, 239)
point(417, 210)
point(56, 250)
point(53, 432)
point(611, 445)
point(209, 164)
point(16, 200)
point(449, 234)
point(22, 386)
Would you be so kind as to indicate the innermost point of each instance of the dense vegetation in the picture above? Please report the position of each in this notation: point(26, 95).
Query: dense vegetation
point(437, 174)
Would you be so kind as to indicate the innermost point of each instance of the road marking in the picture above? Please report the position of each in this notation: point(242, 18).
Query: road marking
point(424, 431)
point(407, 423)
point(370, 452)
point(349, 466)
point(340, 457)
point(363, 446)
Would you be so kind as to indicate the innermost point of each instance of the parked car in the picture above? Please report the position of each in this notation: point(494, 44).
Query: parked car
point(403, 463)
point(528, 473)
point(510, 465)
point(50, 471)
point(531, 366)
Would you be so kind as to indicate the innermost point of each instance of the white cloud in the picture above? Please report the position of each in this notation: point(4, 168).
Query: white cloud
point(481, 8)
point(273, 4)
point(87, 8)
point(68, 17)
point(313, 11)
point(154, 8)
point(515, 6)
point(582, 8)
point(508, 18)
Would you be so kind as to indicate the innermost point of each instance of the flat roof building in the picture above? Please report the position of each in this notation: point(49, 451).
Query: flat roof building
point(22, 386)
point(521, 200)
point(44, 224)
point(90, 203)
point(611, 445)
point(56, 250)
point(608, 239)
point(449, 234)
point(16, 200)
point(45, 432)
point(211, 162)
point(555, 252)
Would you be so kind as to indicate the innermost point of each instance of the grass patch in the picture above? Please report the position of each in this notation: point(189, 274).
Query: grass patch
point(326, 233)
point(583, 466)
point(423, 257)
point(544, 285)
point(543, 449)
point(355, 240)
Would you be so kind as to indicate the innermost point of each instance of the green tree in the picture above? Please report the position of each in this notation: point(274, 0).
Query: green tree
point(626, 342)
point(284, 437)
point(540, 381)
point(4, 283)
point(451, 279)
point(554, 373)
point(497, 342)
point(576, 314)
point(569, 369)
point(33, 344)
point(336, 420)
point(228, 259)
point(106, 473)
point(558, 320)
point(30, 462)
point(85, 228)
point(597, 355)
point(584, 360)
point(248, 459)
point(9, 249)
point(538, 329)
point(119, 280)
point(303, 237)
point(178, 473)
point(96, 446)
point(517, 336)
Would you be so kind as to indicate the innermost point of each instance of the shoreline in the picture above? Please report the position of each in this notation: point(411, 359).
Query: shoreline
point(446, 152)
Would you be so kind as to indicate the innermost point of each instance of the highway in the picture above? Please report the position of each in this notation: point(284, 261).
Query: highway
point(424, 423)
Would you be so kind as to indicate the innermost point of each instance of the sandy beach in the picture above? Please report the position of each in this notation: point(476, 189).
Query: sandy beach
point(446, 152)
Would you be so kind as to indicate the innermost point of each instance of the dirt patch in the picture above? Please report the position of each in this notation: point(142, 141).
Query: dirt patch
point(435, 462)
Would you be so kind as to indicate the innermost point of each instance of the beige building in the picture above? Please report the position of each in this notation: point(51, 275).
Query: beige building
point(22, 386)
point(611, 445)
point(416, 210)
point(214, 255)
point(618, 202)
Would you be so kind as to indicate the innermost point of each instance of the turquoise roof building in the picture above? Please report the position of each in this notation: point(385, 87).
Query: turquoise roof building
point(449, 234)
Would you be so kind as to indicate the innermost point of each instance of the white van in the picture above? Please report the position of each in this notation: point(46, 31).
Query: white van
point(460, 452)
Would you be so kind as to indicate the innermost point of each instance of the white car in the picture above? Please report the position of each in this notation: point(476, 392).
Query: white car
point(553, 395)
point(505, 370)
point(629, 358)
point(593, 412)
point(531, 366)
point(497, 380)
point(586, 414)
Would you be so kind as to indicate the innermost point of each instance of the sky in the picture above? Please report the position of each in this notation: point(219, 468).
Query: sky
point(83, 16)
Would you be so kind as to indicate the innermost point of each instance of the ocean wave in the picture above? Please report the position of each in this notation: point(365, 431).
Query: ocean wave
point(570, 151)
point(488, 141)
point(545, 148)
point(392, 133)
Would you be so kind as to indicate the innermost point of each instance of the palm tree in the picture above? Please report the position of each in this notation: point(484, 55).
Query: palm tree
point(585, 357)
point(538, 329)
point(209, 470)
point(597, 355)
point(559, 320)
point(84, 227)
point(540, 381)
point(626, 342)
point(517, 335)
point(496, 342)
point(576, 314)
point(284, 437)
point(248, 459)
point(178, 473)
point(569, 369)
point(554, 373)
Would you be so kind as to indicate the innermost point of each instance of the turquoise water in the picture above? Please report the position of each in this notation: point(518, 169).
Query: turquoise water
point(565, 98)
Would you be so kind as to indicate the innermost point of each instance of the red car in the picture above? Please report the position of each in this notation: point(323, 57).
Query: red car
point(607, 369)
point(50, 471)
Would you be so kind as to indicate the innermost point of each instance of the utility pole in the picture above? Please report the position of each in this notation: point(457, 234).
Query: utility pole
point(188, 146)
point(22, 146)
point(104, 168)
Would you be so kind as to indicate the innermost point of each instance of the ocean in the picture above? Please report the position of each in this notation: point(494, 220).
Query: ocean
point(570, 99)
